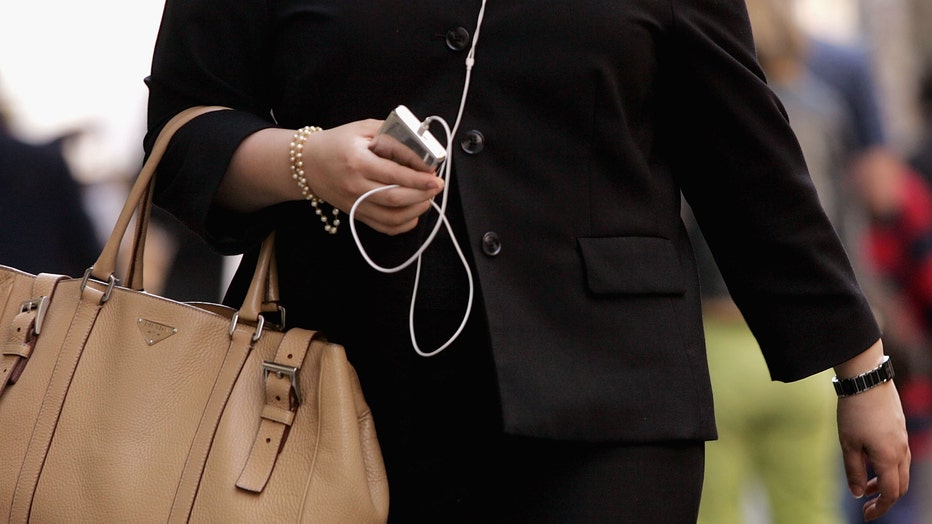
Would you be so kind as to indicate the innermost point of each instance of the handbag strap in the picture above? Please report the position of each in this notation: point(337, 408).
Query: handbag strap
point(134, 275)
point(282, 397)
point(262, 296)
point(105, 266)
point(72, 346)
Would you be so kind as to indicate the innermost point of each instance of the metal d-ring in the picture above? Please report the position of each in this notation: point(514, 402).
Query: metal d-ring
point(260, 323)
point(111, 283)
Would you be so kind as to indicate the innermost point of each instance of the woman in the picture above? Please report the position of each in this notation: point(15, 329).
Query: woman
point(578, 390)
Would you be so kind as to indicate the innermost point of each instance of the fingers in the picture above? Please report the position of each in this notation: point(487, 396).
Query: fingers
point(390, 220)
point(388, 147)
point(392, 209)
point(890, 484)
point(877, 507)
point(856, 471)
point(397, 209)
point(402, 166)
point(402, 196)
point(389, 172)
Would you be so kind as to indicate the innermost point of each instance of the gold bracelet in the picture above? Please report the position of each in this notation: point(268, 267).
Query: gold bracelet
point(296, 155)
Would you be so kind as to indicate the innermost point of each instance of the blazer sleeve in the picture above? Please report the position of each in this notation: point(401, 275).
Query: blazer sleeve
point(742, 171)
point(195, 64)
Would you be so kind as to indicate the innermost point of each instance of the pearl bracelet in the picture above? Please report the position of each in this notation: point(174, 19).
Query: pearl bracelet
point(296, 155)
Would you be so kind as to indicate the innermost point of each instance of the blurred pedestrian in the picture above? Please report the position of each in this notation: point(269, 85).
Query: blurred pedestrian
point(45, 227)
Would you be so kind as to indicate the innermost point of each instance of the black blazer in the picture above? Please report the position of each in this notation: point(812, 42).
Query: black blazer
point(585, 122)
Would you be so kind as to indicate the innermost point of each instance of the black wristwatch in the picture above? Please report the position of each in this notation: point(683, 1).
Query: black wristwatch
point(845, 387)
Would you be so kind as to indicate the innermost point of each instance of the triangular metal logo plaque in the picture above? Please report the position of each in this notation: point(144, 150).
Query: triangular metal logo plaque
point(153, 332)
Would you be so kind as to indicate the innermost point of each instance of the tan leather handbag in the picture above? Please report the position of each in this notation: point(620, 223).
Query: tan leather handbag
point(117, 405)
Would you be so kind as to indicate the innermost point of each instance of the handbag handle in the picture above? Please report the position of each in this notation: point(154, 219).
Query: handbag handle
point(262, 295)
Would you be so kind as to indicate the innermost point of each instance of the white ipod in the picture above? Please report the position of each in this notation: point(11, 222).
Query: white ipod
point(406, 128)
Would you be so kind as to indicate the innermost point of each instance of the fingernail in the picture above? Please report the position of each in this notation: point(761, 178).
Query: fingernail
point(856, 491)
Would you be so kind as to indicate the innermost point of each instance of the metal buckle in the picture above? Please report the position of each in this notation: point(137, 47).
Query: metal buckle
point(280, 371)
point(40, 304)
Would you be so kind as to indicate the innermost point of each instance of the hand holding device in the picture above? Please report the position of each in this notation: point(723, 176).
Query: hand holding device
point(404, 127)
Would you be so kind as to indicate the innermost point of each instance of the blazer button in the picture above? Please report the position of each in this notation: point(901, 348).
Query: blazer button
point(458, 39)
point(491, 244)
point(473, 142)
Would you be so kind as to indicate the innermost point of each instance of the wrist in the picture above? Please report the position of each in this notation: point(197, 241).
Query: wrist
point(861, 363)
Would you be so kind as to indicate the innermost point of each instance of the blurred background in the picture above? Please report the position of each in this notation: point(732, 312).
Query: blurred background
point(853, 74)
point(71, 79)
point(78, 66)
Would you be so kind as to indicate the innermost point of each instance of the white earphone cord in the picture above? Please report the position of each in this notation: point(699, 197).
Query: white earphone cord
point(442, 220)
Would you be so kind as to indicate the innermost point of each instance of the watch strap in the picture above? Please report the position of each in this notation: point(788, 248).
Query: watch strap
point(845, 387)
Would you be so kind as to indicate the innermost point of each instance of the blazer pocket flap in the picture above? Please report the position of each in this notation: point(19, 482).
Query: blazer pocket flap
point(632, 265)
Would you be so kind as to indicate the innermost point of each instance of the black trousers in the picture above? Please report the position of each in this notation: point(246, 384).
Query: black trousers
point(449, 462)
point(527, 480)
